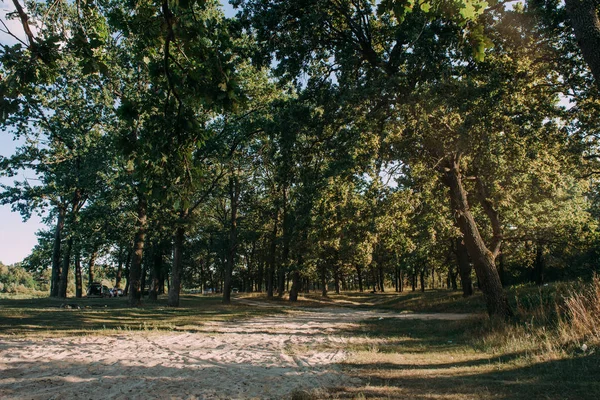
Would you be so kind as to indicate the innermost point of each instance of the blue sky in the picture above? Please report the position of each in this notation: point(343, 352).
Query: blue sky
point(17, 238)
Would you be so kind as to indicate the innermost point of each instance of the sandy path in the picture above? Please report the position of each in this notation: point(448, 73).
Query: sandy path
point(268, 357)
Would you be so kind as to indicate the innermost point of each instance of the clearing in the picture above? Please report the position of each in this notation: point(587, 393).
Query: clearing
point(259, 349)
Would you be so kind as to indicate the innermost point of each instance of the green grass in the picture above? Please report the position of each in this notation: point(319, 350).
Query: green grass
point(45, 317)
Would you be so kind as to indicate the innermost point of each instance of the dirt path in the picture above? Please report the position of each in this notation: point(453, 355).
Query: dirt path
point(268, 357)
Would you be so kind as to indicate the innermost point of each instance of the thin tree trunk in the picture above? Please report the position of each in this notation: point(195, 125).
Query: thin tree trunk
point(234, 196)
point(296, 283)
point(464, 267)
point(135, 271)
point(177, 265)
point(155, 272)
point(538, 271)
point(323, 279)
point(55, 279)
point(91, 265)
point(119, 270)
point(422, 279)
point(483, 258)
point(127, 270)
point(381, 276)
point(360, 281)
point(64, 276)
point(272, 257)
point(78, 277)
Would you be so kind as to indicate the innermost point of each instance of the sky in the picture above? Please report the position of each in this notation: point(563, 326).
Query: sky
point(17, 237)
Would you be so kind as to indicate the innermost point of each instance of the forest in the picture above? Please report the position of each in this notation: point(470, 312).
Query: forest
point(305, 145)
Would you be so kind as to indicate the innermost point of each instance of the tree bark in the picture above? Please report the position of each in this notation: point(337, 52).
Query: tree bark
point(323, 274)
point(360, 279)
point(91, 265)
point(120, 270)
point(78, 277)
point(464, 267)
point(584, 19)
point(177, 266)
point(64, 275)
point(272, 256)
point(234, 196)
point(135, 270)
point(296, 283)
point(156, 272)
point(538, 268)
point(55, 279)
point(483, 259)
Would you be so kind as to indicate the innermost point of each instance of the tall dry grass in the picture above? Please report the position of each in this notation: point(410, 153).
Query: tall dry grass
point(554, 321)
point(580, 320)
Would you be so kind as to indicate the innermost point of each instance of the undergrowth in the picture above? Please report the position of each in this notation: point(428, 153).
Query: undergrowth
point(554, 321)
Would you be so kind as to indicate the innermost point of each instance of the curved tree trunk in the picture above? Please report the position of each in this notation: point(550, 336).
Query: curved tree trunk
point(135, 270)
point(483, 259)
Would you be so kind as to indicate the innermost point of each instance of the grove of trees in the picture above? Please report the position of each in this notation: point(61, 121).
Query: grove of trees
point(306, 144)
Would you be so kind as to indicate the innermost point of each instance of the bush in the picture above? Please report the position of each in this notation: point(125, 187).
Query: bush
point(15, 279)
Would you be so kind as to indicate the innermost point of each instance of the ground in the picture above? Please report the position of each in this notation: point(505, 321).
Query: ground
point(353, 347)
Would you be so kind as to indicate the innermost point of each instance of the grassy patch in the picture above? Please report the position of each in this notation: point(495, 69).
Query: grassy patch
point(425, 359)
point(45, 317)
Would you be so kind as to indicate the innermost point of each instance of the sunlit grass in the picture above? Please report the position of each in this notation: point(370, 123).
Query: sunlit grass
point(45, 317)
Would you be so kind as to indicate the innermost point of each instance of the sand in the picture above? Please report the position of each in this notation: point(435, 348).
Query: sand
point(267, 358)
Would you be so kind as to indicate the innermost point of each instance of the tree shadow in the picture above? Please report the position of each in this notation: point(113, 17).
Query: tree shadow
point(572, 378)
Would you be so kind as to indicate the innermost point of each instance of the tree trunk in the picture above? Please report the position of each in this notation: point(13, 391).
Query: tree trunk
point(177, 265)
point(401, 280)
point(135, 271)
point(234, 196)
point(78, 277)
point(538, 268)
point(91, 265)
point(64, 275)
point(119, 270)
point(360, 280)
point(583, 15)
point(464, 267)
point(323, 279)
point(155, 273)
point(295, 285)
point(422, 279)
point(501, 270)
point(55, 279)
point(272, 256)
point(483, 259)
point(127, 270)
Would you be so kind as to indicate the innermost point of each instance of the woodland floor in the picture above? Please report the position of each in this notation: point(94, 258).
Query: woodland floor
point(349, 347)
